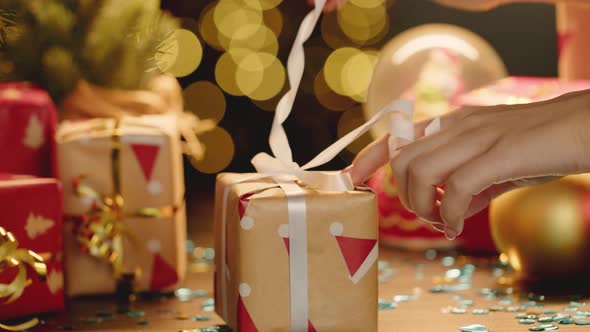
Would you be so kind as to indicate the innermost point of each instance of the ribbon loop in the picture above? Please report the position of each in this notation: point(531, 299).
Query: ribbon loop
point(12, 256)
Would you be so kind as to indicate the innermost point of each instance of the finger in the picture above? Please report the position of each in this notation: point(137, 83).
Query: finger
point(376, 154)
point(483, 199)
point(431, 169)
point(369, 160)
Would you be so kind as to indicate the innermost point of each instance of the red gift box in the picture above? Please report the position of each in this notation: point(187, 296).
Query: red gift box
point(32, 213)
point(28, 121)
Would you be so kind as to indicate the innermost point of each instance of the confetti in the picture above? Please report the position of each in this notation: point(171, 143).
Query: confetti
point(135, 314)
point(458, 311)
point(430, 254)
point(386, 305)
point(549, 327)
point(448, 261)
point(473, 328)
point(480, 311)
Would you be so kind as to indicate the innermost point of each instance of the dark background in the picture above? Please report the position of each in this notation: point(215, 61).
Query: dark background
point(523, 35)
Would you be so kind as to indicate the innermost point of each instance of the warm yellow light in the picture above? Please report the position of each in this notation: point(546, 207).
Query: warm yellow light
point(350, 120)
point(208, 30)
point(225, 70)
point(260, 76)
point(332, 34)
point(263, 40)
point(357, 74)
point(182, 55)
point(233, 16)
point(328, 98)
point(362, 24)
point(206, 100)
point(273, 19)
point(264, 4)
point(219, 151)
point(367, 3)
point(334, 66)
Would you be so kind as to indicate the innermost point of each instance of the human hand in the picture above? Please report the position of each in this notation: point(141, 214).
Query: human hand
point(482, 152)
point(330, 4)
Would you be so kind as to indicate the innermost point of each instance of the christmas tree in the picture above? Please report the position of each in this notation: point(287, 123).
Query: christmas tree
point(56, 43)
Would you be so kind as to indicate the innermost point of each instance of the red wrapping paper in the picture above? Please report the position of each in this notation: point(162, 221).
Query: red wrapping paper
point(31, 211)
point(27, 129)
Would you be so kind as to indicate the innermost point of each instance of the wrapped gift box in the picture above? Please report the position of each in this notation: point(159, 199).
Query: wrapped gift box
point(27, 129)
point(31, 212)
point(138, 159)
point(342, 252)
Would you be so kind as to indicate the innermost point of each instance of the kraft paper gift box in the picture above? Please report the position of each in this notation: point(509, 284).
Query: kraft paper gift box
point(138, 159)
point(341, 252)
point(27, 128)
point(32, 234)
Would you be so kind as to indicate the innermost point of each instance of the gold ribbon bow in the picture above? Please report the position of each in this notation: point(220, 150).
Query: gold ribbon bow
point(163, 96)
point(13, 256)
point(101, 230)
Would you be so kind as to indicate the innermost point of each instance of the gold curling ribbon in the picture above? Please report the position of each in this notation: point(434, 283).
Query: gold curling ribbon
point(102, 229)
point(163, 96)
point(12, 256)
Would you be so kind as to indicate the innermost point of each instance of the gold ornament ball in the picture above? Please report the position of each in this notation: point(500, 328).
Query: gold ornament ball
point(544, 231)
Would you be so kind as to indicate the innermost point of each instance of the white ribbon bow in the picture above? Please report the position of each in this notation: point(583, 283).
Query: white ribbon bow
point(289, 175)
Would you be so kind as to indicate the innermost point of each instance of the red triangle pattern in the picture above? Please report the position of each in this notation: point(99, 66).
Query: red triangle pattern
point(146, 156)
point(562, 40)
point(310, 327)
point(243, 204)
point(163, 275)
point(355, 251)
point(245, 322)
point(286, 242)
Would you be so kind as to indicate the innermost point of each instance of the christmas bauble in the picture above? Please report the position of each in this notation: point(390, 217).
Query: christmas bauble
point(544, 231)
point(433, 65)
point(401, 228)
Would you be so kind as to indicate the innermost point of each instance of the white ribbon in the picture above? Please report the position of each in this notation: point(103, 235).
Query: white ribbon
point(290, 176)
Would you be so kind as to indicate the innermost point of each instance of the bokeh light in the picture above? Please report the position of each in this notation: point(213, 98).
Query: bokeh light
point(182, 55)
point(334, 66)
point(207, 28)
point(328, 98)
point(362, 23)
point(206, 100)
point(260, 76)
point(225, 71)
point(219, 151)
point(357, 74)
point(262, 40)
point(233, 16)
point(273, 19)
point(350, 120)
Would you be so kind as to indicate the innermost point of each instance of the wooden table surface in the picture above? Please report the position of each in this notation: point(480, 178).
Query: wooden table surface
point(413, 274)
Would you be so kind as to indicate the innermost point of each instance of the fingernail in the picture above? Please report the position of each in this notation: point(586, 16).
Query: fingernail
point(439, 227)
point(450, 233)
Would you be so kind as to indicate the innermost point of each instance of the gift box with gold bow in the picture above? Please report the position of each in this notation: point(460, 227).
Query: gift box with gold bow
point(31, 273)
point(124, 203)
point(27, 129)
